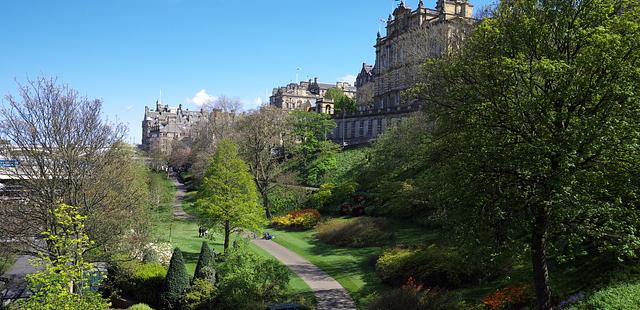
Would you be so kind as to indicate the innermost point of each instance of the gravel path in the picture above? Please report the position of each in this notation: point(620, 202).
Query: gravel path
point(329, 293)
point(178, 212)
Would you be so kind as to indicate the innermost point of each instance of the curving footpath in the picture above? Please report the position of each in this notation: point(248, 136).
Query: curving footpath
point(329, 293)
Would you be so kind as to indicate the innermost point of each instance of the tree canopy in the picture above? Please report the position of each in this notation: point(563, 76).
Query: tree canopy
point(537, 121)
point(228, 196)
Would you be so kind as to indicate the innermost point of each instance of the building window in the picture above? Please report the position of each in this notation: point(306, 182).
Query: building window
point(361, 131)
point(370, 128)
point(379, 126)
point(353, 129)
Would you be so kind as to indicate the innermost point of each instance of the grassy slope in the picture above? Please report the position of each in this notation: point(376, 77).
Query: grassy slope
point(184, 234)
point(354, 267)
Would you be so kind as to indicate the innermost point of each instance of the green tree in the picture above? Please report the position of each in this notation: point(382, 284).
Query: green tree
point(537, 128)
point(314, 155)
point(228, 195)
point(62, 282)
point(204, 267)
point(342, 102)
point(334, 93)
point(177, 281)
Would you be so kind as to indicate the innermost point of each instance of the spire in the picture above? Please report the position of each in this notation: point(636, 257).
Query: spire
point(378, 35)
point(421, 4)
point(390, 18)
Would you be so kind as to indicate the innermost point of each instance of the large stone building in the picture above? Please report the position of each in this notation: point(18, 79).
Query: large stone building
point(304, 95)
point(412, 36)
point(164, 125)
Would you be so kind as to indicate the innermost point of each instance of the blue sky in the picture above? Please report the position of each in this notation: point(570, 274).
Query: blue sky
point(126, 51)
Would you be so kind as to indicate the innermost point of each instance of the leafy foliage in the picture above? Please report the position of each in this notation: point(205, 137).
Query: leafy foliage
point(62, 282)
point(249, 281)
point(414, 296)
point(140, 281)
point(140, 307)
point(176, 283)
point(314, 156)
point(433, 266)
point(228, 195)
point(623, 296)
point(536, 127)
point(200, 295)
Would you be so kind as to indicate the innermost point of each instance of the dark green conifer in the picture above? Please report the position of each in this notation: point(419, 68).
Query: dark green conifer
point(204, 267)
point(176, 283)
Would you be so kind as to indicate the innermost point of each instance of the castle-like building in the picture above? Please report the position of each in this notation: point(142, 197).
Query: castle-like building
point(412, 37)
point(164, 125)
point(307, 95)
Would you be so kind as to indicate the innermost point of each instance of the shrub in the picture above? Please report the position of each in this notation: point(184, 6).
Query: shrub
point(322, 197)
point(200, 295)
point(431, 266)
point(297, 220)
point(204, 267)
point(621, 296)
point(512, 297)
point(140, 281)
point(249, 281)
point(357, 233)
point(414, 296)
point(176, 283)
point(140, 307)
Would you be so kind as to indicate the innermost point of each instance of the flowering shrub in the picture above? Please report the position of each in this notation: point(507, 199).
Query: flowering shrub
point(511, 297)
point(299, 219)
point(155, 252)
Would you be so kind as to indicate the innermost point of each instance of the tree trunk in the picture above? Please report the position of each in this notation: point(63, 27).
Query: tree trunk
point(227, 232)
point(265, 203)
point(539, 259)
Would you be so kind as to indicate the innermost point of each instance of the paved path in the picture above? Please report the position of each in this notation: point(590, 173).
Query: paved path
point(178, 212)
point(329, 293)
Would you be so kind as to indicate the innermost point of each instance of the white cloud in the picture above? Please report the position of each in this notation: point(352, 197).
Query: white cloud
point(201, 98)
point(258, 101)
point(348, 78)
point(129, 108)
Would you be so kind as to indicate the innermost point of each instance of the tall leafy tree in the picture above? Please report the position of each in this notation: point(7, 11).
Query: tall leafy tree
point(537, 128)
point(260, 141)
point(177, 281)
point(314, 155)
point(228, 195)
